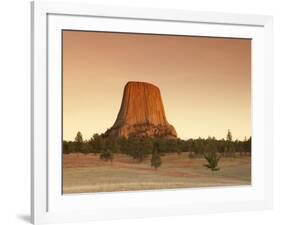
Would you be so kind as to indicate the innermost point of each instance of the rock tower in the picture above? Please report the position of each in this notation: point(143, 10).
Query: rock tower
point(141, 113)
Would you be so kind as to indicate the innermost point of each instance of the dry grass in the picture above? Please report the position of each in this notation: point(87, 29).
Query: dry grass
point(87, 173)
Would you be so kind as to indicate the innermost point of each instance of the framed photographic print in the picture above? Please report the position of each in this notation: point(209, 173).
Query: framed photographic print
point(141, 112)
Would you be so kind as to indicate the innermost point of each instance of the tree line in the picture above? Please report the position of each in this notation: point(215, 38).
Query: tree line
point(139, 148)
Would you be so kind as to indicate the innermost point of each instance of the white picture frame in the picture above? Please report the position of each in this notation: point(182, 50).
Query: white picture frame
point(48, 205)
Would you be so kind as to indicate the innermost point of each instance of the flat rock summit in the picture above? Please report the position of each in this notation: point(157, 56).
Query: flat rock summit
point(141, 113)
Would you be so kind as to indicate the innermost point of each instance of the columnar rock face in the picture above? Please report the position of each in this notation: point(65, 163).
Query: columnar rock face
point(142, 113)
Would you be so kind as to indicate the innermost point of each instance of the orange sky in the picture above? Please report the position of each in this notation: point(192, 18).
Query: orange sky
point(205, 83)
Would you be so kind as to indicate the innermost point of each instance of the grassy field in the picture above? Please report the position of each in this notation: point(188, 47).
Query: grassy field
point(87, 173)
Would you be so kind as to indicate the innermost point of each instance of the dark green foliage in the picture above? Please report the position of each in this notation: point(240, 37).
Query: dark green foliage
point(210, 147)
point(213, 159)
point(86, 148)
point(155, 158)
point(97, 143)
point(229, 149)
point(111, 144)
point(79, 137)
point(78, 142)
point(211, 155)
point(247, 145)
point(106, 155)
point(140, 148)
point(66, 149)
point(229, 136)
point(137, 148)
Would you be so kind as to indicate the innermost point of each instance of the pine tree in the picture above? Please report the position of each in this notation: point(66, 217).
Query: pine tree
point(229, 136)
point(155, 160)
point(213, 160)
point(78, 141)
point(230, 151)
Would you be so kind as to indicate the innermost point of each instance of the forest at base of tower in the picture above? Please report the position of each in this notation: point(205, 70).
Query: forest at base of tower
point(140, 147)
